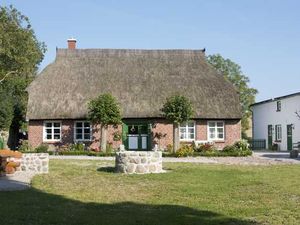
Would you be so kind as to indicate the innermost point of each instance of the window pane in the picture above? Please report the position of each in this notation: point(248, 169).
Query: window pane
point(182, 125)
point(87, 130)
point(211, 124)
point(56, 124)
point(78, 131)
point(48, 124)
point(56, 131)
point(191, 124)
point(86, 136)
point(220, 124)
point(56, 136)
point(79, 136)
point(48, 137)
point(48, 131)
point(220, 135)
point(212, 132)
point(78, 124)
point(87, 124)
point(191, 136)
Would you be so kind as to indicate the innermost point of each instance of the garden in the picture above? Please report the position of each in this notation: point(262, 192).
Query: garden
point(88, 192)
point(238, 149)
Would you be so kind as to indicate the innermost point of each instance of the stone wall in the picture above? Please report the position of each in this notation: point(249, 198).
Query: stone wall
point(35, 162)
point(139, 162)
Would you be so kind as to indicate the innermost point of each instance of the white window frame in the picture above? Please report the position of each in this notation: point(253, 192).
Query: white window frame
point(52, 132)
point(83, 127)
point(216, 131)
point(187, 131)
point(277, 132)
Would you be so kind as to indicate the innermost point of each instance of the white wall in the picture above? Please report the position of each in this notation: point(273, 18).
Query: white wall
point(266, 114)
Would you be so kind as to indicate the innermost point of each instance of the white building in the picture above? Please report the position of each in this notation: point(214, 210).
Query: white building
point(275, 121)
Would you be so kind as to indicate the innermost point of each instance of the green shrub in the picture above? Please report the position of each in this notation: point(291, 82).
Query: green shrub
point(205, 147)
point(25, 146)
point(184, 151)
point(42, 148)
point(78, 147)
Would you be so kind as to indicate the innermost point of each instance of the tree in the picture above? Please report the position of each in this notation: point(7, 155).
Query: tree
point(233, 73)
point(104, 110)
point(178, 109)
point(20, 55)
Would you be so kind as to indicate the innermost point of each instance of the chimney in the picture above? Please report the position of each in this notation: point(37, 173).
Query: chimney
point(71, 43)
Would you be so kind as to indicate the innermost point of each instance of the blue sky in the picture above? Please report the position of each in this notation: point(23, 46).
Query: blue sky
point(263, 36)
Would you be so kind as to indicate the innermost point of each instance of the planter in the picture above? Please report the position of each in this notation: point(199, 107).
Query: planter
point(294, 154)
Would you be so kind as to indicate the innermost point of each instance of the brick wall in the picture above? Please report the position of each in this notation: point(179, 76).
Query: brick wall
point(160, 127)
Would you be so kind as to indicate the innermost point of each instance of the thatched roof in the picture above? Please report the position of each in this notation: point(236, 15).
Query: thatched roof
point(140, 79)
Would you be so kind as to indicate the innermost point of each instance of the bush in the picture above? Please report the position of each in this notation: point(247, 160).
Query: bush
point(78, 147)
point(205, 148)
point(169, 148)
point(25, 146)
point(239, 148)
point(43, 148)
point(184, 151)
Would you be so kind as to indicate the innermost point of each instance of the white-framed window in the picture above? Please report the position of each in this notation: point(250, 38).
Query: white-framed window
point(82, 131)
point(215, 131)
point(52, 131)
point(278, 132)
point(187, 131)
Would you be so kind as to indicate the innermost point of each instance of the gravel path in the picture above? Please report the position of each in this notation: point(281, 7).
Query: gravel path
point(258, 158)
point(18, 181)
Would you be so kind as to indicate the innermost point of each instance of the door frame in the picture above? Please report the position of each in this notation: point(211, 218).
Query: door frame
point(270, 136)
point(289, 137)
point(138, 123)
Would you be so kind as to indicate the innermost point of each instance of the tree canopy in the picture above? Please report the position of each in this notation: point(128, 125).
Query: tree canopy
point(233, 73)
point(20, 55)
point(177, 109)
point(104, 110)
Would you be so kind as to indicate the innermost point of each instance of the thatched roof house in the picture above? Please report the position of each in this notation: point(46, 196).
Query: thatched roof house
point(141, 80)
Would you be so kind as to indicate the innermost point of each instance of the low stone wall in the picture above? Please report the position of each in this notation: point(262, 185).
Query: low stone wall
point(139, 162)
point(33, 162)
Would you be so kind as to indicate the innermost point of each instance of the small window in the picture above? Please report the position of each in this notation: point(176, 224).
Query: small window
point(278, 106)
point(278, 132)
point(52, 131)
point(187, 131)
point(216, 131)
point(82, 131)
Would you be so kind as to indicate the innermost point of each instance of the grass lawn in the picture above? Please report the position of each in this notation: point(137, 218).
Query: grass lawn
point(81, 192)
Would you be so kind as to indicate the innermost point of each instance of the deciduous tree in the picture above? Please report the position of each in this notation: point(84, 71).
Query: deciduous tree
point(104, 110)
point(177, 109)
point(232, 72)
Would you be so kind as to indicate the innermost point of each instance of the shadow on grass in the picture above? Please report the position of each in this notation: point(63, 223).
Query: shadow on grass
point(107, 169)
point(35, 208)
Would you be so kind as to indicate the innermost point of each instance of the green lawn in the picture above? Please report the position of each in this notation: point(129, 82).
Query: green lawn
point(81, 192)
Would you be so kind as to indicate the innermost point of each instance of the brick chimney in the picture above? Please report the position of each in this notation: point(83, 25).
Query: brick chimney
point(71, 43)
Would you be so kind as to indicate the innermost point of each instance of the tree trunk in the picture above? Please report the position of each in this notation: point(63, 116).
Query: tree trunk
point(175, 137)
point(103, 138)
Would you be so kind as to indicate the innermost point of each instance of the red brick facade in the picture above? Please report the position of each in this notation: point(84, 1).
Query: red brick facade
point(160, 128)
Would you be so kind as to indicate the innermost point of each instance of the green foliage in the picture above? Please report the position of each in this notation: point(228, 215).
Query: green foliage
point(178, 109)
point(239, 148)
point(20, 55)
point(25, 146)
point(43, 148)
point(104, 110)
point(109, 148)
point(184, 151)
point(169, 148)
point(233, 73)
point(117, 136)
point(6, 110)
point(205, 147)
point(77, 147)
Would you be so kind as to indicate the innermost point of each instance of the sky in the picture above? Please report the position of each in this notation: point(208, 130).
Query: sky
point(262, 36)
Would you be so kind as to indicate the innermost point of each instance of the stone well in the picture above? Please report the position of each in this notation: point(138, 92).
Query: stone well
point(140, 162)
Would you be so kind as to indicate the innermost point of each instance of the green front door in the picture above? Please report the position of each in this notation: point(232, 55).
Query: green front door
point(270, 136)
point(289, 137)
point(136, 137)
